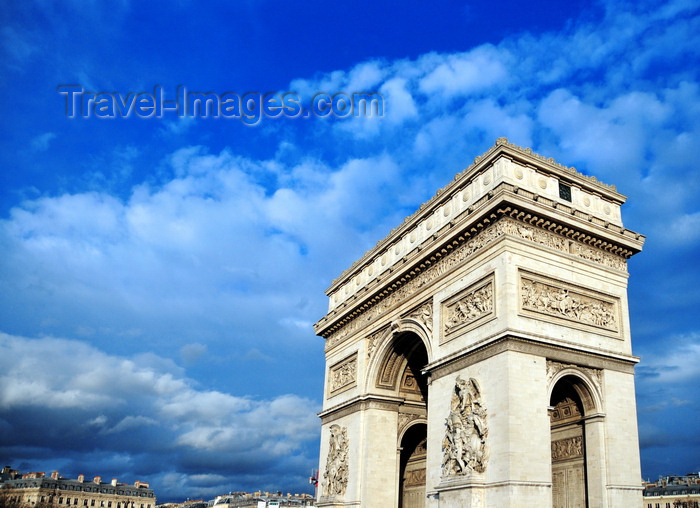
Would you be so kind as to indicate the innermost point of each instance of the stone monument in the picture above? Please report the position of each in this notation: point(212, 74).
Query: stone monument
point(480, 354)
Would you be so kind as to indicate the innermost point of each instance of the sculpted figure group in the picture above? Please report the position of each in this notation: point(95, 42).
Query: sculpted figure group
point(559, 301)
point(335, 478)
point(471, 307)
point(567, 448)
point(464, 447)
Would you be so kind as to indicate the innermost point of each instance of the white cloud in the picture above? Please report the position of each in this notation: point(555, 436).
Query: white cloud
point(41, 142)
point(399, 101)
point(466, 73)
point(74, 385)
point(679, 363)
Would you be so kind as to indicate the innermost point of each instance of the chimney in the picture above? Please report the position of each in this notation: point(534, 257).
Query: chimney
point(114, 482)
point(54, 475)
point(97, 480)
point(81, 478)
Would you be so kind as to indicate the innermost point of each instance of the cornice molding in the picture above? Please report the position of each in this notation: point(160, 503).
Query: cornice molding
point(529, 345)
point(502, 147)
point(360, 404)
point(610, 248)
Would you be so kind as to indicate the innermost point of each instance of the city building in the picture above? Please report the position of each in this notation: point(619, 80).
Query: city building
point(37, 489)
point(258, 499)
point(673, 492)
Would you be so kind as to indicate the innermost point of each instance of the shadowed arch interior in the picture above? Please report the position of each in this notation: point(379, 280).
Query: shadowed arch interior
point(412, 467)
point(401, 367)
point(570, 401)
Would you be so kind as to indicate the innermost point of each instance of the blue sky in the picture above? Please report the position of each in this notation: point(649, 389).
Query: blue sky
point(159, 277)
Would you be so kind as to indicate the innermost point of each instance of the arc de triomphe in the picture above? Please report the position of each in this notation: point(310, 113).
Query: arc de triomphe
point(480, 354)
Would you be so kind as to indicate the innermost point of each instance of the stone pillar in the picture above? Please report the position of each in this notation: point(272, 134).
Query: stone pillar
point(596, 470)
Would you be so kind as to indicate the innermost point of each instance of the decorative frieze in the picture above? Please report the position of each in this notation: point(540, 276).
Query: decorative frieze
point(464, 448)
point(335, 477)
point(422, 277)
point(343, 374)
point(569, 448)
point(564, 244)
point(434, 269)
point(565, 411)
point(415, 478)
point(567, 302)
point(468, 308)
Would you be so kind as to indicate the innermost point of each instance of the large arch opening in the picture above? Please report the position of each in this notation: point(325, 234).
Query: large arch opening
point(569, 403)
point(401, 372)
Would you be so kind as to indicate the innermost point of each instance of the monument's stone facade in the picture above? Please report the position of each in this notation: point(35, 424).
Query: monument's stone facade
point(480, 354)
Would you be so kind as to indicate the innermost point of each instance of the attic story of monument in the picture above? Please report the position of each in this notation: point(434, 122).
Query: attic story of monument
point(480, 354)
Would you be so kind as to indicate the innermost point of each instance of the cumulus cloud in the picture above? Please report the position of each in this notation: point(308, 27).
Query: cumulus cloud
point(122, 406)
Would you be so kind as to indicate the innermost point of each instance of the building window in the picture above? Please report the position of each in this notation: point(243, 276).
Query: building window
point(75, 501)
point(92, 503)
point(565, 194)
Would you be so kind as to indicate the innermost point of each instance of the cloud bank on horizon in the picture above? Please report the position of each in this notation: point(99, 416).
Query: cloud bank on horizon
point(159, 278)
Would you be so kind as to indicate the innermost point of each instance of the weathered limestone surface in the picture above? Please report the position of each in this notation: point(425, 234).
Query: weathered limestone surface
point(501, 297)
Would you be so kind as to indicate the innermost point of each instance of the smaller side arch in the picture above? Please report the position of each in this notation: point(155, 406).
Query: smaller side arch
point(404, 426)
point(412, 447)
point(585, 386)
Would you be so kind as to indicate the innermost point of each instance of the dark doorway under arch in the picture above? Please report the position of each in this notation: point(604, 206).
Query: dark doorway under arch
point(412, 467)
point(568, 449)
point(401, 371)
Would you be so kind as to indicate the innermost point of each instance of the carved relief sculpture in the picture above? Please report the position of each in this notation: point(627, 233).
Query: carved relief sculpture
point(569, 448)
point(343, 374)
point(406, 418)
point(505, 226)
point(335, 478)
point(424, 315)
point(415, 478)
point(464, 447)
point(566, 410)
point(373, 341)
point(469, 308)
point(561, 302)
